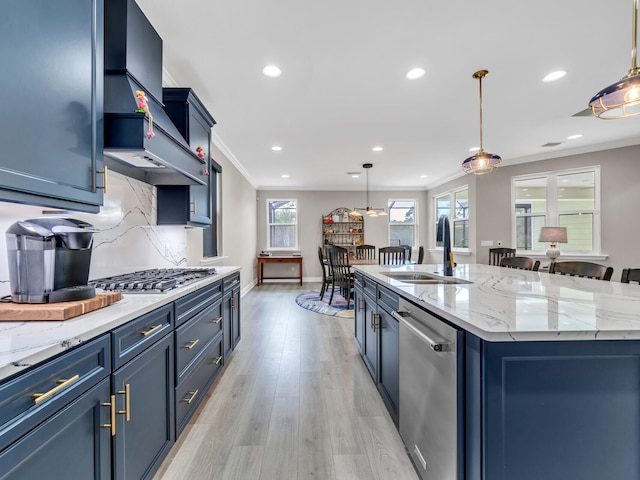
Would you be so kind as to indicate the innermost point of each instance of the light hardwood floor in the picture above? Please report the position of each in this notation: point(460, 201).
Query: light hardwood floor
point(294, 402)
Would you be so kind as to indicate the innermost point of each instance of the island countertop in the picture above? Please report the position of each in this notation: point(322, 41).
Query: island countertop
point(23, 344)
point(503, 304)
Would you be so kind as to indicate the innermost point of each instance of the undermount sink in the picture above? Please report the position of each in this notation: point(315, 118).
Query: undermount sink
point(422, 278)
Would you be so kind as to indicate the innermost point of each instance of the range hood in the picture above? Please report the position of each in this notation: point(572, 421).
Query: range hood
point(133, 61)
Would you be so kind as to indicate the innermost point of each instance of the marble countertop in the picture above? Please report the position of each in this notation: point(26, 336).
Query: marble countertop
point(504, 304)
point(23, 344)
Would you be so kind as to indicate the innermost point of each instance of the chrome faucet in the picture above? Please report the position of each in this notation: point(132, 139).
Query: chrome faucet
point(443, 239)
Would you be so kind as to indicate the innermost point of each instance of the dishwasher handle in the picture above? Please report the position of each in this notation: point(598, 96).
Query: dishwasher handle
point(437, 346)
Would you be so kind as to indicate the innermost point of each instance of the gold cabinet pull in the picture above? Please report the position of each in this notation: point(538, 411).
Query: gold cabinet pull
point(192, 397)
point(151, 330)
point(127, 402)
point(360, 304)
point(217, 320)
point(111, 425)
point(104, 182)
point(62, 384)
point(234, 302)
point(191, 344)
point(217, 360)
point(374, 317)
point(194, 207)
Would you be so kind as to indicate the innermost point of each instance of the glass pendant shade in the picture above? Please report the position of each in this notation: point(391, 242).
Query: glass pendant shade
point(621, 99)
point(482, 162)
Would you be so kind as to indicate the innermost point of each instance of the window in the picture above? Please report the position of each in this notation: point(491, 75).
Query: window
point(558, 199)
point(282, 220)
point(402, 222)
point(455, 206)
point(211, 236)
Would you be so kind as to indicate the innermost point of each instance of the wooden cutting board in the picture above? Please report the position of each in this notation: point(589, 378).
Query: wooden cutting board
point(56, 311)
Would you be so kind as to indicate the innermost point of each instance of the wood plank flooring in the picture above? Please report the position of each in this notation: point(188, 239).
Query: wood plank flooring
point(295, 402)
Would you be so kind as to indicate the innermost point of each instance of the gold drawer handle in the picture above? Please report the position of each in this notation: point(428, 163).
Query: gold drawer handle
point(104, 183)
point(111, 425)
point(62, 384)
point(151, 330)
point(192, 397)
point(217, 360)
point(127, 402)
point(374, 317)
point(194, 208)
point(217, 320)
point(191, 344)
point(234, 302)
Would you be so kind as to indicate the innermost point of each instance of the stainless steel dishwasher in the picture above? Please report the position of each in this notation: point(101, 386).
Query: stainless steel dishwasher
point(428, 392)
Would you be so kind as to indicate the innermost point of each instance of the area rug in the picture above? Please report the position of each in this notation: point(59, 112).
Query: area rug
point(311, 301)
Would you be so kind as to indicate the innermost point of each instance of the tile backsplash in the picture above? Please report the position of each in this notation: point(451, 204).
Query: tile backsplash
point(127, 237)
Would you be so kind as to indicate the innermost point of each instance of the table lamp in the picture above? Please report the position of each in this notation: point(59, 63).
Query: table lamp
point(553, 235)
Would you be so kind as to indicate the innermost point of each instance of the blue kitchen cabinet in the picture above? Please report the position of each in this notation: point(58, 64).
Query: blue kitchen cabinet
point(189, 205)
point(55, 418)
point(73, 443)
point(231, 314)
point(52, 117)
point(144, 390)
point(552, 410)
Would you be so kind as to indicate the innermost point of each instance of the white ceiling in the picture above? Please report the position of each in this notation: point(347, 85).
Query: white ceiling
point(343, 89)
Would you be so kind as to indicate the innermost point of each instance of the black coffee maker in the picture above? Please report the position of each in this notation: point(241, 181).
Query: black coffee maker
point(49, 260)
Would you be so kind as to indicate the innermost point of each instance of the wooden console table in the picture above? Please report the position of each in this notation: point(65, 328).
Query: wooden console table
point(262, 259)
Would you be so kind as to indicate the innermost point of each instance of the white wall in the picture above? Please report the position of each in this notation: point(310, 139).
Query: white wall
point(312, 205)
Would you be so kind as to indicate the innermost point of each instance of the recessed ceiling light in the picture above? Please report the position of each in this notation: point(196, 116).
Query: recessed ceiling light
point(377, 149)
point(272, 71)
point(423, 176)
point(525, 189)
point(276, 148)
point(285, 176)
point(415, 73)
point(553, 76)
point(573, 137)
point(474, 149)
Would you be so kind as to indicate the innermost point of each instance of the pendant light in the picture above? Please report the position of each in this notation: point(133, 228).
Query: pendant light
point(622, 99)
point(481, 162)
point(370, 211)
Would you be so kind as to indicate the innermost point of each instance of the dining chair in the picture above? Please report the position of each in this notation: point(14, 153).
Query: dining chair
point(582, 269)
point(341, 271)
point(366, 252)
point(391, 255)
point(326, 275)
point(497, 254)
point(521, 263)
point(630, 275)
point(420, 254)
point(407, 253)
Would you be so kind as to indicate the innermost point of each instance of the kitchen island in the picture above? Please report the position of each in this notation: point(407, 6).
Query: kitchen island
point(547, 370)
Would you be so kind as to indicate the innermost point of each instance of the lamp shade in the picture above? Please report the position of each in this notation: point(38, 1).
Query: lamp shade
point(553, 234)
point(620, 100)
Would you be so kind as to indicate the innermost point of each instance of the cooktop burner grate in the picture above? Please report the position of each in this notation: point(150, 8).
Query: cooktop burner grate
point(158, 280)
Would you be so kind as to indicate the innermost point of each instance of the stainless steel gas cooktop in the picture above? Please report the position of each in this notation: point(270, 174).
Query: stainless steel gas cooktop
point(159, 280)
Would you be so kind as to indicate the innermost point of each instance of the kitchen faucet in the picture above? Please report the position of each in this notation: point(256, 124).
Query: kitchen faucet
point(443, 238)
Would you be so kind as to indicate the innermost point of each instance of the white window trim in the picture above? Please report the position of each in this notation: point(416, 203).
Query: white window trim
point(269, 224)
point(552, 214)
point(451, 194)
point(416, 236)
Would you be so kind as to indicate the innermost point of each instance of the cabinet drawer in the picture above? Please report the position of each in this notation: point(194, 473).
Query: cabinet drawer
point(369, 286)
point(387, 299)
point(358, 280)
point(133, 337)
point(230, 282)
point(190, 392)
point(58, 381)
point(193, 303)
point(193, 336)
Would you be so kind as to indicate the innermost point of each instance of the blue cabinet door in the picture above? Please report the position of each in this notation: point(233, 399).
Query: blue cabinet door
point(227, 314)
point(358, 317)
point(389, 373)
point(71, 444)
point(52, 117)
point(370, 351)
point(144, 430)
point(235, 317)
